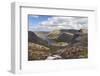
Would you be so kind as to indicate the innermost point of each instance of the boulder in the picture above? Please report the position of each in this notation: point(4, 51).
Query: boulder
point(53, 57)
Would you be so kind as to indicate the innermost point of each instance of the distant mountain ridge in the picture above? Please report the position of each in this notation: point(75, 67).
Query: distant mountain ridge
point(55, 36)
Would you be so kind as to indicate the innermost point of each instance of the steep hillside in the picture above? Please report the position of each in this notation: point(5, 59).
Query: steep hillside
point(32, 37)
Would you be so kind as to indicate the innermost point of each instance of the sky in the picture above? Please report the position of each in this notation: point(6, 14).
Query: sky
point(49, 23)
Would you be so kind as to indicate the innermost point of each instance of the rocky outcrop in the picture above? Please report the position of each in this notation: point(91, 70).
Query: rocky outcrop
point(84, 31)
point(73, 52)
point(37, 52)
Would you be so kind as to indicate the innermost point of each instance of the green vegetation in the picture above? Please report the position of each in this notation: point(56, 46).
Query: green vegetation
point(84, 53)
point(59, 40)
point(61, 43)
point(53, 36)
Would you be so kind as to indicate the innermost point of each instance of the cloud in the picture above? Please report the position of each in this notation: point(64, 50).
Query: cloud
point(34, 16)
point(62, 23)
